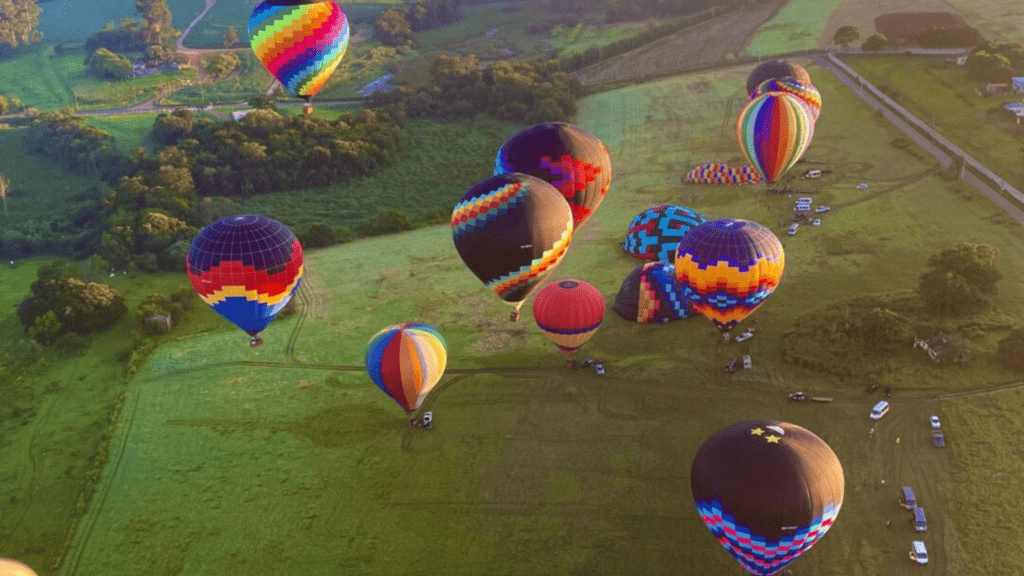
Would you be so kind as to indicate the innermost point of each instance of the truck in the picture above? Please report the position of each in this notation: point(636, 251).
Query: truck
point(938, 438)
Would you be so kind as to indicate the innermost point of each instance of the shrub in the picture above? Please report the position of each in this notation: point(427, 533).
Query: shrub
point(1011, 351)
point(389, 221)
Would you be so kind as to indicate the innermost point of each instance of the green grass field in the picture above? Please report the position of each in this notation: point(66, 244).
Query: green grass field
point(539, 470)
point(1006, 19)
point(797, 26)
point(943, 97)
point(130, 131)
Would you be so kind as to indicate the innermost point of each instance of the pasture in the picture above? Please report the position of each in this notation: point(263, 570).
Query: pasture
point(979, 125)
point(534, 469)
point(998, 19)
point(797, 26)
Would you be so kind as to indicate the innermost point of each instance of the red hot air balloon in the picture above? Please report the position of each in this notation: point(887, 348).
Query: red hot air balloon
point(569, 312)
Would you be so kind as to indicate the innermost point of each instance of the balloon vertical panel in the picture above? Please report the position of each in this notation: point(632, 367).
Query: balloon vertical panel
point(405, 361)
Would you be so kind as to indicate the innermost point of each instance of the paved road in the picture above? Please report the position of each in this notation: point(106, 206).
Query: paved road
point(941, 155)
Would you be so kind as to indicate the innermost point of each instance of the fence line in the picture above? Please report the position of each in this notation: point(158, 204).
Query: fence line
point(937, 138)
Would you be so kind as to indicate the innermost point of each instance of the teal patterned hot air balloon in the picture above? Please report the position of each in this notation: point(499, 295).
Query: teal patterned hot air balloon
point(300, 42)
point(774, 131)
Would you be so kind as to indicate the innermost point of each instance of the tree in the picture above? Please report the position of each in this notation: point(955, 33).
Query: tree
point(948, 293)
point(158, 20)
point(18, 20)
point(875, 42)
point(222, 64)
point(961, 279)
point(983, 66)
point(78, 306)
point(1011, 351)
point(230, 37)
point(392, 29)
point(5, 185)
point(845, 35)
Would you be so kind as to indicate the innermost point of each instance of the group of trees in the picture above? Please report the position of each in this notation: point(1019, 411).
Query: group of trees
point(993, 62)
point(961, 279)
point(109, 66)
point(150, 35)
point(521, 92)
point(66, 138)
point(58, 305)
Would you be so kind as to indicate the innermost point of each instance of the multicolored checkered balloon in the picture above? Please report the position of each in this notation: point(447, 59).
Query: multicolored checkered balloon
point(654, 234)
point(300, 42)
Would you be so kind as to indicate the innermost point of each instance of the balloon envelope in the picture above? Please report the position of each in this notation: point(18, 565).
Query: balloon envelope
point(569, 312)
point(14, 568)
point(767, 490)
point(728, 267)
point(776, 69)
point(512, 230)
point(567, 156)
point(650, 293)
point(246, 267)
point(300, 42)
point(807, 93)
point(654, 233)
point(405, 361)
point(773, 131)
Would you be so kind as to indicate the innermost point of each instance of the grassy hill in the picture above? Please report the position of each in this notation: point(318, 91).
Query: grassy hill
point(534, 469)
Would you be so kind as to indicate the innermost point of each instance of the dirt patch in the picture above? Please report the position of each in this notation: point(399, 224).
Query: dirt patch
point(706, 44)
point(906, 27)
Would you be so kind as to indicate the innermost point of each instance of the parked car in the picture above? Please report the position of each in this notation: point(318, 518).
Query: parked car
point(918, 552)
point(817, 222)
point(820, 209)
point(730, 366)
point(879, 410)
point(599, 368)
point(938, 438)
point(793, 229)
point(862, 186)
point(746, 335)
point(935, 422)
point(920, 523)
point(804, 200)
point(587, 363)
point(798, 396)
point(746, 361)
point(802, 208)
point(908, 500)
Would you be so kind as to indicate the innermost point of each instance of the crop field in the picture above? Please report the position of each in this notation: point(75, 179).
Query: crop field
point(720, 39)
point(961, 115)
point(1002, 20)
point(797, 26)
point(862, 14)
point(72, 21)
point(535, 469)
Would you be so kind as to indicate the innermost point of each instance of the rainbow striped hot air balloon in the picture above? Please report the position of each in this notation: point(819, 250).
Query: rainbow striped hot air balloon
point(405, 361)
point(246, 267)
point(728, 267)
point(807, 93)
point(774, 131)
point(300, 42)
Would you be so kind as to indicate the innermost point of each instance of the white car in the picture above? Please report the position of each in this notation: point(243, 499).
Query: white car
point(802, 208)
point(746, 361)
point(935, 422)
point(817, 222)
point(919, 553)
point(820, 209)
point(804, 200)
point(744, 336)
point(862, 186)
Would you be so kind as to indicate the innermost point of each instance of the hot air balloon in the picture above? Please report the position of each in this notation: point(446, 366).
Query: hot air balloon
point(654, 233)
point(807, 93)
point(300, 42)
point(512, 230)
point(566, 156)
point(773, 131)
point(767, 490)
point(14, 568)
point(776, 69)
point(650, 293)
point(727, 268)
point(405, 361)
point(246, 267)
point(569, 312)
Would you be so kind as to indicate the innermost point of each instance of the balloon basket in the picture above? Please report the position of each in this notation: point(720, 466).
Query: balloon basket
point(255, 342)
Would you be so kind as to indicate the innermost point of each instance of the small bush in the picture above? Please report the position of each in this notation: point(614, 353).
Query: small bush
point(388, 221)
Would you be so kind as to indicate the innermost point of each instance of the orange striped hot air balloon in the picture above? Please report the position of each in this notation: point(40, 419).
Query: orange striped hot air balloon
point(405, 361)
point(569, 312)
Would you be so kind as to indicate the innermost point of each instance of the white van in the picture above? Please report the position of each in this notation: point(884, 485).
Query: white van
point(879, 410)
point(793, 229)
point(812, 174)
point(918, 552)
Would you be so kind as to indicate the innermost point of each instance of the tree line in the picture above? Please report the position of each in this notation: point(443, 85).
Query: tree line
point(996, 62)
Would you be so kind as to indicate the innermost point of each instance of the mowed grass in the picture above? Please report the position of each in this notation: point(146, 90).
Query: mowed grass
point(130, 131)
point(1005, 19)
point(39, 80)
point(541, 470)
point(797, 26)
point(943, 97)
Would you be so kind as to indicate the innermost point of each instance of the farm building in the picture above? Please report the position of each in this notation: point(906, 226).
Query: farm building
point(1018, 84)
point(944, 348)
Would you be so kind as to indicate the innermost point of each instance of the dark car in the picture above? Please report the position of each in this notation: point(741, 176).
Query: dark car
point(798, 396)
point(938, 438)
point(887, 392)
point(730, 366)
point(587, 363)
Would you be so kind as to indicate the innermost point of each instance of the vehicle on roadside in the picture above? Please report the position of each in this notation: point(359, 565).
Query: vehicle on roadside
point(918, 552)
point(935, 422)
point(879, 410)
point(798, 396)
point(938, 438)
